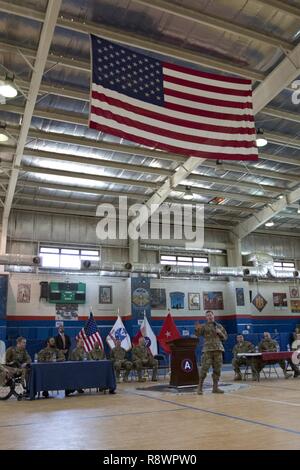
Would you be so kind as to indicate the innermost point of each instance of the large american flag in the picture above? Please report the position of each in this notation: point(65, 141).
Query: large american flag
point(169, 107)
point(90, 334)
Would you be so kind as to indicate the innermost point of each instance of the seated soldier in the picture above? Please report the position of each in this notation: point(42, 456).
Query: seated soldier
point(79, 354)
point(118, 356)
point(50, 354)
point(268, 344)
point(97, 354)
point(18, 357)
point(296, 343)
point(242, 346)
point(142, 357)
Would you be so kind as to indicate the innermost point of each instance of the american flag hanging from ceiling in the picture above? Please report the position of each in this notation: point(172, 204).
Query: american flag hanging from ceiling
point(169, 107)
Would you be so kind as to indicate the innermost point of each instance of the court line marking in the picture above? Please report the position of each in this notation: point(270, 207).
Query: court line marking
point(224, 415)
point(262, 399)
point(135, 413)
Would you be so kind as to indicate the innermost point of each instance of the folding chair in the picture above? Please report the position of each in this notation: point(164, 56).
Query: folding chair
point(271, 369)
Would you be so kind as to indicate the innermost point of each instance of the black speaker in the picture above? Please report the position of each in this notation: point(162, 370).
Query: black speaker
point(167, 268)
point(206, 270)
point(128, 266)
point(44, 294)
point(36, 260)
point(86, 263)
point(246, 272)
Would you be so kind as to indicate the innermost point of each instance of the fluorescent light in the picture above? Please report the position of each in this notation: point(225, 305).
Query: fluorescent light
point(3, 137)
point(298, 210)
point(7, 88)
point(188, 193)
point(260, 140)
point(269, 224)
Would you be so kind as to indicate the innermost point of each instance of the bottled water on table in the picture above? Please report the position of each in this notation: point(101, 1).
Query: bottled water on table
point(85, 356)
point(54, 357)
point(35, 357)
point(288, 347)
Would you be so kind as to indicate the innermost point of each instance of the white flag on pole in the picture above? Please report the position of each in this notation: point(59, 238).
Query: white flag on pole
point(149, 336)
point(118, 332)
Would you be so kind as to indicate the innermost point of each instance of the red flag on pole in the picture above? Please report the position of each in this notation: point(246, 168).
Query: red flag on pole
point(169, 332)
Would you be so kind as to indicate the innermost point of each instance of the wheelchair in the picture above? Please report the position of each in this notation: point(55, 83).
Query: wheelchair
point(13, 387)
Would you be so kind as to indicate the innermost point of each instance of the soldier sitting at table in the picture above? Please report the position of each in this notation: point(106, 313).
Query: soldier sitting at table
point(97, 354)
point(142, 357)
point(268, 344)
point(79, 353)
point(50, 354)
point(242, 346)
point(118, 357)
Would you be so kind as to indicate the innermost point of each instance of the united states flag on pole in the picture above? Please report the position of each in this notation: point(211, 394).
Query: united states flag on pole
point(90, 334)
point(169, 107)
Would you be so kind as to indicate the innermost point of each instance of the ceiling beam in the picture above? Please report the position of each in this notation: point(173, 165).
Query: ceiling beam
point(267, 213)
point(134, 40)
point(49, 22)
point(145, 169)
point(215, 22)
point(143, 183)
point(282, 6)
point(280, 77)
point(116, 194)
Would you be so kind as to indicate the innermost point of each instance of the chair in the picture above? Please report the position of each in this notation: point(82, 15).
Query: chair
point(271, 369)
point(2, 352)
point(247, 372)
point(162, 363)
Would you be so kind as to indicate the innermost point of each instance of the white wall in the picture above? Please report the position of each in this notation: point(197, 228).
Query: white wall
point(120, 293)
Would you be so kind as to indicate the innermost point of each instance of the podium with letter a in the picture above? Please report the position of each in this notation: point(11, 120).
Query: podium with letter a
point(184, 370)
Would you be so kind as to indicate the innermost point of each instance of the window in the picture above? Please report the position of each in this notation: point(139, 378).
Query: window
point(66, 258)
point(181, 260)
point(284, 265)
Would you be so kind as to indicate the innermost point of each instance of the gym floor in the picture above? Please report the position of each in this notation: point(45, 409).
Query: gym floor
point(262, 415)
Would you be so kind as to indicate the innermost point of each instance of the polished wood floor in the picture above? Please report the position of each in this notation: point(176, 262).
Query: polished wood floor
point(263, 415)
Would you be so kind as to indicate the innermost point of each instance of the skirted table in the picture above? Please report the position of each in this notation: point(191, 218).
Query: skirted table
point(46, 376)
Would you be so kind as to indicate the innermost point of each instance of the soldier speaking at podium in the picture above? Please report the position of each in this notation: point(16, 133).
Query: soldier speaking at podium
point(214, 334)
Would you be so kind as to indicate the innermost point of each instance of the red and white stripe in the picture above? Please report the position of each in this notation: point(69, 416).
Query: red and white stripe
point(204, 115)
point(89, 341)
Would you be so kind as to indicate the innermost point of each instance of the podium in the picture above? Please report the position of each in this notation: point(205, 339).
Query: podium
point(184, 369)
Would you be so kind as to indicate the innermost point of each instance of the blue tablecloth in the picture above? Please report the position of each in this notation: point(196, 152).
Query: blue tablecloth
point(71, 376)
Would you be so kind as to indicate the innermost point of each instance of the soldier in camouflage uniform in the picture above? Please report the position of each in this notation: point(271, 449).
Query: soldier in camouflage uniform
point(19, 358)
point(79, 353)
point(50, 354)
point(268, 344)
point(142, 357)
point(242, 346)
point(118, 356)
point(214, 334)
point(7, 373)
point(97, 354)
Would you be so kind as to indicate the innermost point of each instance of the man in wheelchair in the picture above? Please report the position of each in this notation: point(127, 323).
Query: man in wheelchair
point(11, 382)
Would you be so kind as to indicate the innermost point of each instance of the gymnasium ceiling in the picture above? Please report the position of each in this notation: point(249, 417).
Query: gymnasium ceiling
point(67, 168)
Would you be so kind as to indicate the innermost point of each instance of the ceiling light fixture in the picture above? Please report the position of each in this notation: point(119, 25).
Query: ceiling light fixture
point(269, 224)
point(3, 133)
point(8, 88)
point(260, 140)
point(188, 193)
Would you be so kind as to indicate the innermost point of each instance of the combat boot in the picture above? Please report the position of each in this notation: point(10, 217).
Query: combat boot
point(125, 379)
point(238, 376)
point(286, 375)
point(200, 387)
point(216, 389)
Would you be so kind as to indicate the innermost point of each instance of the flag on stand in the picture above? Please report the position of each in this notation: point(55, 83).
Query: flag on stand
point(169, 332)
point(150, 338)
point(118, 332)
point(90, 334)
point(169, 107)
